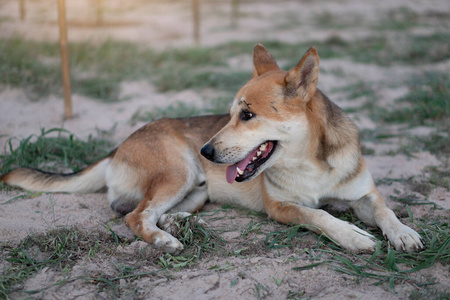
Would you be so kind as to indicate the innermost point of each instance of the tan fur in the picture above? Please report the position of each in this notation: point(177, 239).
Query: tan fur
point(315, 159)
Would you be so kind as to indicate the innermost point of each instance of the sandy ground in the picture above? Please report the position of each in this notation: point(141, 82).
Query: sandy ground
point(161, 25)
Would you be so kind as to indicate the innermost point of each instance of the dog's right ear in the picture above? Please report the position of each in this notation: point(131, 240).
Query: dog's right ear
point(263, 61)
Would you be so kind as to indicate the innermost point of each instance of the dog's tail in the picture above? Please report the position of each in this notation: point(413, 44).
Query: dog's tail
point(90, 179)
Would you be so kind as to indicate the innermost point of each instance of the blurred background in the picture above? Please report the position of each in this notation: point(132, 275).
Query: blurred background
point(132, 61)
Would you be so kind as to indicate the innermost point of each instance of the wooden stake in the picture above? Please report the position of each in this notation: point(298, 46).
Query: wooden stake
point(64, 58)
point(22, 9)
point(234, 13)
point(196, 19)
point(99, 12)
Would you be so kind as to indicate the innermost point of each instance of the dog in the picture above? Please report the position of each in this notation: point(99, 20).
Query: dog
point(284, 149)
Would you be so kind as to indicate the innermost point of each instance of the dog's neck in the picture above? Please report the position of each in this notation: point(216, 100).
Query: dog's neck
point(330, 133)
point(331, 130)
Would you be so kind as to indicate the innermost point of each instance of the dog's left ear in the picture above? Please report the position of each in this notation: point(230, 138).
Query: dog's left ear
point(302, 80)
point(263, 61)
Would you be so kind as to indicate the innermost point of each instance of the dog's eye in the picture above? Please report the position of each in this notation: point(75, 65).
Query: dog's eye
point(246, 115)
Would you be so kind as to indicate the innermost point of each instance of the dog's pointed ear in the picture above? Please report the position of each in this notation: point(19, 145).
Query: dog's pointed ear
point(263, 61)
point(302, 80)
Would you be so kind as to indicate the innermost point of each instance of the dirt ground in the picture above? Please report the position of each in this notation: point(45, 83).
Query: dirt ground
point(260, 272)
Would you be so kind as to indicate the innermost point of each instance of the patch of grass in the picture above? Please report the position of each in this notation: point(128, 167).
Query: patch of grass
point(401, 18)
point(411, 50)
point(57, 249)
point(358, 90)
point(385, 265)
point(98, 69)
point(246, 211)
point(438, 178)
point(197, 241)
point(367, 151)
point(202, 57)
point(286, 237)
point(252, 226)
point(412, 200)
point(111, 283)
point(219, 105)
point(106, 88)
point(34, 66)
point(176, 110)
point(53, 153)
point(427, 100)
point(327, 19)
point(374, 135)
point(377, 50)
point(179, 76)
point(5, 187)
point(429, 294)
point(390, 267)
point(21, 65)
point(435, 143)
point(26, 195)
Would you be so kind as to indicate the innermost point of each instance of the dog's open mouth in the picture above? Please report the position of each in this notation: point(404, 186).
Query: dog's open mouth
point(247, 167)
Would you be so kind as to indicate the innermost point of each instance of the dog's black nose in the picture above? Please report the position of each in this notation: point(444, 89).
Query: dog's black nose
point(208, 151)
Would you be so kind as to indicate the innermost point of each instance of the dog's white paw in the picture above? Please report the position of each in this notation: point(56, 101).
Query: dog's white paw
point(354, 238)
point(167, 243)
point(404, 238)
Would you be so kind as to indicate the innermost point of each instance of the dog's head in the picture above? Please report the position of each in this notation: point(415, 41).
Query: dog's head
point(267, 115)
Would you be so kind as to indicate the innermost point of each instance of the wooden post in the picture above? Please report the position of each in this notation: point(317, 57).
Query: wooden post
point(234, 13)
point(22, 9)
point(99, 12)
point(196, 19)
point(64, 58)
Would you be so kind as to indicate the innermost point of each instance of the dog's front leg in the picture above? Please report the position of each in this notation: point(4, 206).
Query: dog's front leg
point(345, 234)
point(373, 210)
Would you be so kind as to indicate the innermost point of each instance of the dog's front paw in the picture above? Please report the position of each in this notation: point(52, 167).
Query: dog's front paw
point(166, 242)
point(360, 240)
point(353, 238)
point(404, 239)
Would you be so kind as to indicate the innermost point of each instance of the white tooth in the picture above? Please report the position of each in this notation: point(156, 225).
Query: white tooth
point(258, 153)
point(240, 172)
point(263, 147)
point(237, 175)
point(254, 158)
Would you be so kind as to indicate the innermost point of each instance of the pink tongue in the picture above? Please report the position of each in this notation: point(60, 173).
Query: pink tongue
point(232, 170)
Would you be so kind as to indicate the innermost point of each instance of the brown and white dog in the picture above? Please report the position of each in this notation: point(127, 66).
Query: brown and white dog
point(288, 148)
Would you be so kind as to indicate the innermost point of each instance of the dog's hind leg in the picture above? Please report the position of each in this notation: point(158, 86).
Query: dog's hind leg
point(163, 193)
point(124, 190)
point(193, 202)
point(372, 210)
